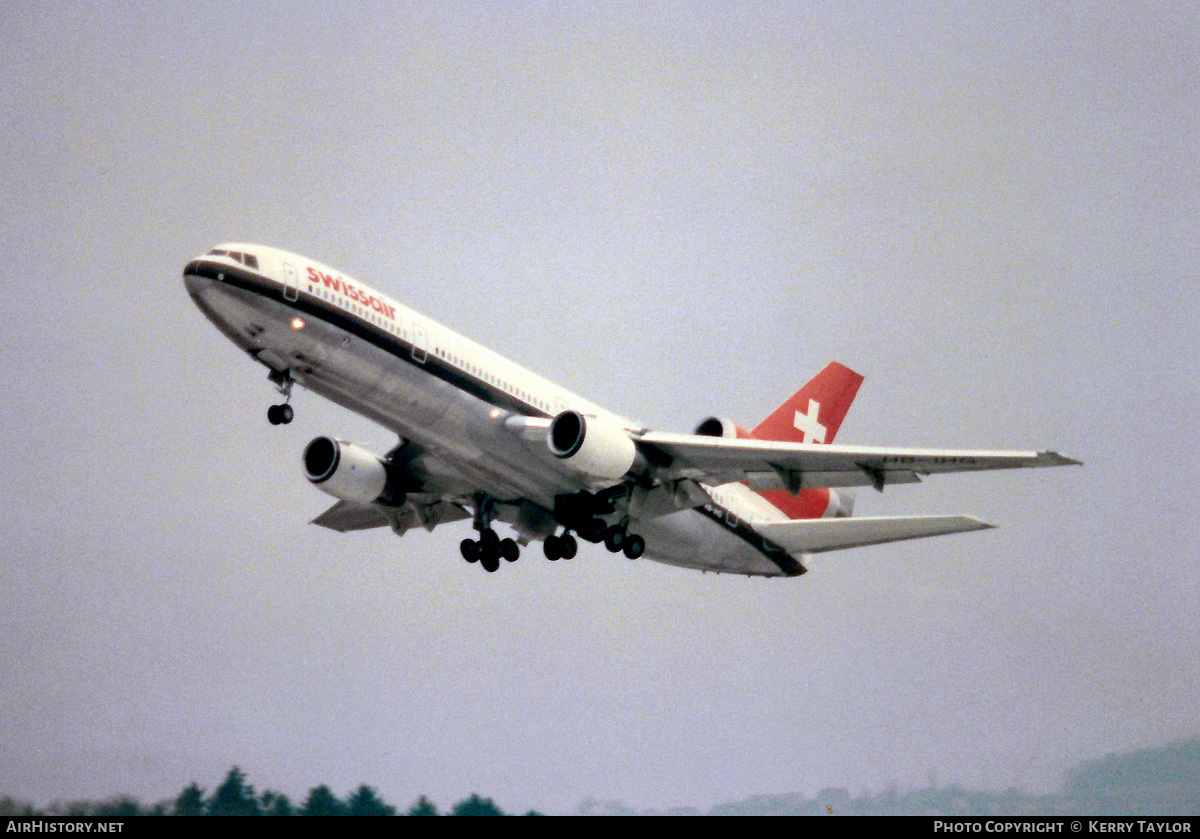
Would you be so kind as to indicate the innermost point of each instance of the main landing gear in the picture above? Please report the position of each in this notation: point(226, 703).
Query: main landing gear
point(583, 511)
point(490, 548)
point(616, 538)
point(619, 540)
point(281, 414)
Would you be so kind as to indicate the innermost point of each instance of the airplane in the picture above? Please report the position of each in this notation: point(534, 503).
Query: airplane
point(480, 438)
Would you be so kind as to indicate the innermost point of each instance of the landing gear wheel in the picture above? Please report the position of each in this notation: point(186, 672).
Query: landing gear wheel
point(552, 548)
point(490, 562)
point(635, 546)
point(614, 538)
point(469, 549)
point(280, 414)
point(509, 551)
point(593, 530)
point(568, 546)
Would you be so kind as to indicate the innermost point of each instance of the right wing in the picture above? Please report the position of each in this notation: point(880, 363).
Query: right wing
point(766, 464)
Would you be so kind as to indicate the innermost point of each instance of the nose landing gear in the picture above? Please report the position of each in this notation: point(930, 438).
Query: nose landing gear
point(281, 414)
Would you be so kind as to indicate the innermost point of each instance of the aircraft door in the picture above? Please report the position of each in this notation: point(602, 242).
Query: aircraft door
point(291, 283)
point(420, 341)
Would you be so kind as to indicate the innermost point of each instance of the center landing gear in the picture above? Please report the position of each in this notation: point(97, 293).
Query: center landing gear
point(490, 548)
point(281, 414)
point(560, 547)
point(618, 539)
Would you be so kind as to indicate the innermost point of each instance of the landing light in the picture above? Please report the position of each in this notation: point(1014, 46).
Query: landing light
point(495, 413)
point(297, 324)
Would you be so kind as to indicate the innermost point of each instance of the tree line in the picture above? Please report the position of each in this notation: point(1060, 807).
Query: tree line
point(235, 797)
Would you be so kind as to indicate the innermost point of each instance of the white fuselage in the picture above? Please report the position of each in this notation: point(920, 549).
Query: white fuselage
point(462, 403)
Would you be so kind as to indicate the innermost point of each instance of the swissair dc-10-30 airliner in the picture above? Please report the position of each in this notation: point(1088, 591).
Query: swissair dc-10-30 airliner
point(483, 439)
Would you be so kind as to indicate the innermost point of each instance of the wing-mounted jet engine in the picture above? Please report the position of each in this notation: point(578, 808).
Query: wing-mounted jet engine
point(601, 450)
point(352, 473)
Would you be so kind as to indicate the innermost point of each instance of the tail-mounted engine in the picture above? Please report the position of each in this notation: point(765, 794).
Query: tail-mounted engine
point(599, 449)
point(720, 427)
point(351, 473)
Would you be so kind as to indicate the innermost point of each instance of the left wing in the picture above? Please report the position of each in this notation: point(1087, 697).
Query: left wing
point(418, 510)
point(765, 464)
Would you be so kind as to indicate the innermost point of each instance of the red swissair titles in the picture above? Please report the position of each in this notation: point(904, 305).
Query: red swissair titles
point(359, 296)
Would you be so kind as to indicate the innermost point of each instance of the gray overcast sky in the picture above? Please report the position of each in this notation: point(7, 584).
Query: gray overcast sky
point(676, 210)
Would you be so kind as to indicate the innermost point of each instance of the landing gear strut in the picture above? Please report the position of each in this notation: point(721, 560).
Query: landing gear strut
point(490, 548)
point(281, 414)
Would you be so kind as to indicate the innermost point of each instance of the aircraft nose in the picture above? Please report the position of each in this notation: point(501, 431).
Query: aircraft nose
point(192, 279)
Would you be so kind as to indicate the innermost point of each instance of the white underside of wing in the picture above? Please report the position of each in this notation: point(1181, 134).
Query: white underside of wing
point(345, 516)
point(817, 535)
point(420, 510)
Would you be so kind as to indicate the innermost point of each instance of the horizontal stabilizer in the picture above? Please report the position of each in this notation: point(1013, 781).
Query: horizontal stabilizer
point(817, 535)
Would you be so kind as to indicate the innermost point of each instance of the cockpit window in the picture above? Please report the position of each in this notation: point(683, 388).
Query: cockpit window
point(247, 259)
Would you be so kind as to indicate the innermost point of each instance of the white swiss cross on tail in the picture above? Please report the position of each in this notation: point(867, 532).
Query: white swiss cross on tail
point(808, 425)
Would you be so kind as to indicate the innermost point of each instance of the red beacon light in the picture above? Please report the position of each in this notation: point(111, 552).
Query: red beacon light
point(297, 324)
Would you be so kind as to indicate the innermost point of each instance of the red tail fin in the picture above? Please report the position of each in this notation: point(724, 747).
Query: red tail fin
point(815, 412)
point(813, 415)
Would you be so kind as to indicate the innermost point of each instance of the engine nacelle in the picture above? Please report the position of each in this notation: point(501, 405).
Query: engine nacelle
point(599, 449)
point(720, 427)
point(841, 504)
point(347, 471)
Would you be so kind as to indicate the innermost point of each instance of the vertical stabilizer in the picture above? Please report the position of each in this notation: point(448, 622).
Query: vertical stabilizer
point(813, 414)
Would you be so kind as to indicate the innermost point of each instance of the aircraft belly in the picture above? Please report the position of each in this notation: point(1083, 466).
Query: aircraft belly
point(404, 397)
point(371, 381)
point(691, 540)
